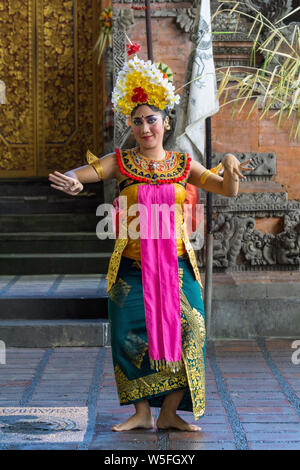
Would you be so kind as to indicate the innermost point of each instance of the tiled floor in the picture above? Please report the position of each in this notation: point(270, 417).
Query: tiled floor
point(65, 398)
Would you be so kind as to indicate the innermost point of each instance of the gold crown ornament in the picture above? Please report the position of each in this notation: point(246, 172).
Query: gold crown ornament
point(141, 82)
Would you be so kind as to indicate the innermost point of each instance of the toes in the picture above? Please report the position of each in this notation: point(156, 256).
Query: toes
point(116, 427)
point(195, 428)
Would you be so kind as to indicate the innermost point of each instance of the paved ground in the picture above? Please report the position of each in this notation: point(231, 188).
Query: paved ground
point(65, 398)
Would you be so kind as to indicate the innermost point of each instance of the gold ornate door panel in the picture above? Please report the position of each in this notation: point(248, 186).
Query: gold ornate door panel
point(17, 153)
point(54, 110)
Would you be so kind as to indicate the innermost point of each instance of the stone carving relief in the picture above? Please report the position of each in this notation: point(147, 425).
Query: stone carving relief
point(265, 163)
point(223, 21)
point(185, 19)
point(228, 232)
point(257, 247)
point(239, 246)
point(288, 242)
point(122, 20)
point(271, 9)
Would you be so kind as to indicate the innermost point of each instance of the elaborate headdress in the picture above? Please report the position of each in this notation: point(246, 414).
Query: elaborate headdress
point(141, 82)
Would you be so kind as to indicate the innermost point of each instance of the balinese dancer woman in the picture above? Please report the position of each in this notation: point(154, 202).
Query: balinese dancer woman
point(155, 299)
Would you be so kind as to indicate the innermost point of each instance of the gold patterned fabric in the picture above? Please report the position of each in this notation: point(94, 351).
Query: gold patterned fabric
point(135, 379)
point(173, 168)
point(120, 292)
point(131, 391)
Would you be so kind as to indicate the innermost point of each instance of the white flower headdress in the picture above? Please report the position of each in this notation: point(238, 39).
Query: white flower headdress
point(141, 82)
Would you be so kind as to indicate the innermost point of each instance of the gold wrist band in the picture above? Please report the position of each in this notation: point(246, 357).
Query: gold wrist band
point(215, 170)
point(95, 163)
point(204, 176)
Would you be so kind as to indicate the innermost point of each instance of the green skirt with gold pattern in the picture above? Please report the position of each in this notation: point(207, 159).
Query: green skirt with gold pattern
point(135, 380)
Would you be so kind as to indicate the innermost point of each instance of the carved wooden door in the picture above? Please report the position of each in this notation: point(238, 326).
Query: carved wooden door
point(53, 109)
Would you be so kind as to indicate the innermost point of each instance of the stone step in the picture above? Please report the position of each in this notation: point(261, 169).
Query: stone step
point(48, 222)
point(54, 333)
point(53, 297)
point(244, 306)
point(40, 186)
point(55, 242)
point(67, 308)
point(54, 263)
point(48, 204)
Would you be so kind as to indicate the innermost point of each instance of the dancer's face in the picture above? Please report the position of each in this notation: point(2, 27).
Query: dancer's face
point(148, 127)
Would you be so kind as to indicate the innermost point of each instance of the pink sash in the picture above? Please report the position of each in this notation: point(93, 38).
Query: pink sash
point(159, 264)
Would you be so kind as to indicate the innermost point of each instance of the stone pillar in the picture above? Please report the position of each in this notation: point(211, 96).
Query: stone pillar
point(122, 20)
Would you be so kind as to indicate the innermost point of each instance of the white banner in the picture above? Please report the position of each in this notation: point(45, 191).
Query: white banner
point(199, 99)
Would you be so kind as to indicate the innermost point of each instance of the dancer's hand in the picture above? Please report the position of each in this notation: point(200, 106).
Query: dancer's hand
point(235, 167)
point(65, 183)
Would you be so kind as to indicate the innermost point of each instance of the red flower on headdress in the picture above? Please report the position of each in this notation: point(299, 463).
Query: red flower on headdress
point(140, 96)
point(138, 8)
point(133, 48)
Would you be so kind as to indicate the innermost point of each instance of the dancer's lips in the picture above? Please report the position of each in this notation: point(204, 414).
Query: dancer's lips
point(147, 137)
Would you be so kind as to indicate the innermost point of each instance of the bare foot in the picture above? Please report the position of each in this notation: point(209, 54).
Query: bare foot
point(175, 422)
point(135, 421)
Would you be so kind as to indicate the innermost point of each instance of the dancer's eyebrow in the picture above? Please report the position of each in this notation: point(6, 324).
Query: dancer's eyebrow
point(145, 117)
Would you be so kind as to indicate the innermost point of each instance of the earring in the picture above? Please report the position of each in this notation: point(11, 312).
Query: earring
point(167, 126)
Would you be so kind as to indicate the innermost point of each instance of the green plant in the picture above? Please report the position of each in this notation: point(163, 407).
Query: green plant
point(105, 20)
point(275, 85)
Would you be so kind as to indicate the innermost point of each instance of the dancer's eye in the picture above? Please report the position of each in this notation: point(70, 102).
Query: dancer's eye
point(151, 120)
point(139, 121)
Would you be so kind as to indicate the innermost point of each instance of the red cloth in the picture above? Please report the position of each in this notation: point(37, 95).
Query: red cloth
point(192, 197)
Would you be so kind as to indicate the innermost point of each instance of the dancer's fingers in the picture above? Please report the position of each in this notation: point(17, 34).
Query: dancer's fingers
point(237, 171)
point(57, 187)
point(247, 169)
point(246, 161)
point(243, 164)
point(64, 190)
point(61, 175)
point(57, 179)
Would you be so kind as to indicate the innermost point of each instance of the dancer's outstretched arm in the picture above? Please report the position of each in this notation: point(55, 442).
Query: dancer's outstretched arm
point(71, 182)
point(226, 185)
